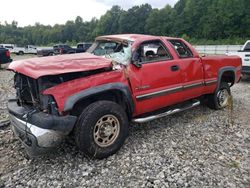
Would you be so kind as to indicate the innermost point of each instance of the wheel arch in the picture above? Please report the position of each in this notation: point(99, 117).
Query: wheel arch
point(227, 74)
point(116, 92)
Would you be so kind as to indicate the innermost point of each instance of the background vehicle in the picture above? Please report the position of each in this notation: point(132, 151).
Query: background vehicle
point(29, 49)
point(45, 52)
point(10, 47)
point(244, 54)
point(63, 49)
point(82, 47)
point(135, 78)
point(4, 56)
point(66, 49)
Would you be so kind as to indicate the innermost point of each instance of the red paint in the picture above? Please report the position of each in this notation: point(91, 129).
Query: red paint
point(54, 65)
point(150, 78)
point(62, 91)
point(8, 53)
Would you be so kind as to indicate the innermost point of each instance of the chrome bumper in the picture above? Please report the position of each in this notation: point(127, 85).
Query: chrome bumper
point(39, 133)
point(45, 137)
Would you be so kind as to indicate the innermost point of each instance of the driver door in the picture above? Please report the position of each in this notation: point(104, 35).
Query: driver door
point(157, 82)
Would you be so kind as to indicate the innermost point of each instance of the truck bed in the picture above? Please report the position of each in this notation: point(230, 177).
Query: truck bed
point(214, 63)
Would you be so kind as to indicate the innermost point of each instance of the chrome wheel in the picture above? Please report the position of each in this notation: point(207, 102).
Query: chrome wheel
point(223, 97)
point(106, 130)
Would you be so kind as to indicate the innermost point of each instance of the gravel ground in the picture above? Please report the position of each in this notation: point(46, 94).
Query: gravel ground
point(196, 148)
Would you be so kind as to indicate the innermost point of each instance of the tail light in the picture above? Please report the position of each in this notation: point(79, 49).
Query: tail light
point(8, 53)
point(61, 50)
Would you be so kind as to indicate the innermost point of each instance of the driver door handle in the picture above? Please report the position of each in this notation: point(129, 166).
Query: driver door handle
point(175, 68)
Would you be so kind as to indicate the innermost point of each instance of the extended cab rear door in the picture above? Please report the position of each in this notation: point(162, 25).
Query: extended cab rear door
point(157, 82)
point(191, 69)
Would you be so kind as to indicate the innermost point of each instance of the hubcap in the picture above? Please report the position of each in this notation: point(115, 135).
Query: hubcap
point(106, 130)
point(223, 97)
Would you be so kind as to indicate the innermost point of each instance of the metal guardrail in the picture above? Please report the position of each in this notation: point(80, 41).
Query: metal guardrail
point(217, 49)
point(202, 49)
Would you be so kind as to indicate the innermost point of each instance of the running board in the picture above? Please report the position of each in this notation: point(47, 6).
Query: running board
point(167, 113)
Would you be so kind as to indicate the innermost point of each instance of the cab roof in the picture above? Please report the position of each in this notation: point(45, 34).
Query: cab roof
point(131, 37)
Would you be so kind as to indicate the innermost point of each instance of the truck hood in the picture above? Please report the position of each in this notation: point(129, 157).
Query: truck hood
point(54, 65)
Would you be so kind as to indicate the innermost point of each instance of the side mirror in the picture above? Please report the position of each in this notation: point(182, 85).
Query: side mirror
point(137, 64)
point(136, 60)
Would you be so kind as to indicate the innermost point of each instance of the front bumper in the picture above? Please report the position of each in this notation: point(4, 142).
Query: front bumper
point(39, 132)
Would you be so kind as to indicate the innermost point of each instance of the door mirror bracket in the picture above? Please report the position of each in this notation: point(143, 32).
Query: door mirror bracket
point(136, 60)
point(137, 64)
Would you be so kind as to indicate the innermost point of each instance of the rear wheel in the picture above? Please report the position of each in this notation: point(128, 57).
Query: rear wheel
point(101, 129)
point(20, 53)
point(221, 98)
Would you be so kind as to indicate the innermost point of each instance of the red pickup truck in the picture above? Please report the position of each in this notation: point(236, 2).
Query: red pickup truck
point(4, 56)
point(122, 78)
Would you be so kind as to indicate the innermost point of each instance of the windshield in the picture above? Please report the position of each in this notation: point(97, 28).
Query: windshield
point(116, 51)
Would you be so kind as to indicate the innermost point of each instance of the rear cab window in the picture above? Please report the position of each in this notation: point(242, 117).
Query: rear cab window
point(79, 46)
point(182, 50)
point(247, 47)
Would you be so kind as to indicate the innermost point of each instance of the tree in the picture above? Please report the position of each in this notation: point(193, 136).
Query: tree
point(193, 19)
point(134, 20)
point(109, 22)
point(160, 22)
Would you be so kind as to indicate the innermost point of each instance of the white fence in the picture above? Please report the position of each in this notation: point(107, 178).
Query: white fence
point(217, 49)
point(202, 49)
point(205, 49)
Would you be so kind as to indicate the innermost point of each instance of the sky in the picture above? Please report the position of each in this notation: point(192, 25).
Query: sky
point(50, 12)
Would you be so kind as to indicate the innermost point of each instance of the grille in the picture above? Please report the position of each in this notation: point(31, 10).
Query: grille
point(26, 90)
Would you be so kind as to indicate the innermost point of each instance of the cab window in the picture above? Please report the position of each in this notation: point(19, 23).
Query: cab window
point(152, 51)
point(101, 48)
point(181, 49)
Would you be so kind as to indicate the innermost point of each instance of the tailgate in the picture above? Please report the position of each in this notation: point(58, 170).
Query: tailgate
point(246, 60)
point(3, 58)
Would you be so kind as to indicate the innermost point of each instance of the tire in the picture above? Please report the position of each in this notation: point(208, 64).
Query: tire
point(20, 53)
point(221, 98)
point(101, 129)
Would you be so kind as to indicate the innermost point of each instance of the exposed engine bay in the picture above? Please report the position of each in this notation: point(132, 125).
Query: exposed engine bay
point(29, 90)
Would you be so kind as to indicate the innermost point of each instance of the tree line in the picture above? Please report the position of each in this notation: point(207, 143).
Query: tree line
point(198, 21)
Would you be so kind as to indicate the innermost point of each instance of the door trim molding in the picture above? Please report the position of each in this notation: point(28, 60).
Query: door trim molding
point(175, 89)
point(159, 93)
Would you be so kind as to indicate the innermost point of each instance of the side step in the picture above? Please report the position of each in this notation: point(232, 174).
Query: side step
point(167, 113)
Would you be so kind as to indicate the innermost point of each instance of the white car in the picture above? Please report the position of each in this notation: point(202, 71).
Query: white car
point(244, 54)
point(29, 49)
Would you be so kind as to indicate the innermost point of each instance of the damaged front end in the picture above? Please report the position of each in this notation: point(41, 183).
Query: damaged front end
point(35, 117)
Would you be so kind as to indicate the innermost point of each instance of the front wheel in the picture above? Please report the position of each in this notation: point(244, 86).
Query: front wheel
point(221, 98)
point(101, 129)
